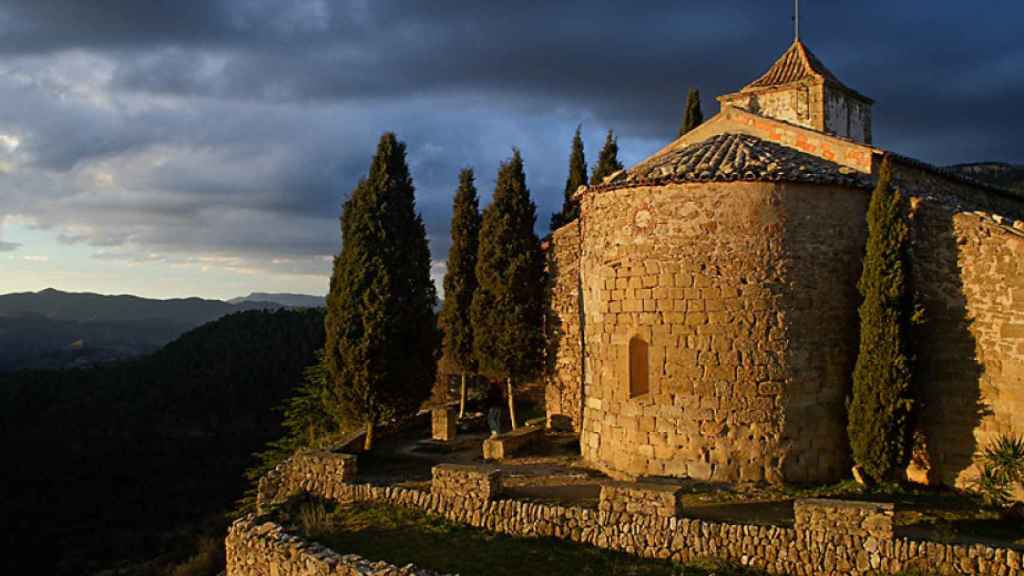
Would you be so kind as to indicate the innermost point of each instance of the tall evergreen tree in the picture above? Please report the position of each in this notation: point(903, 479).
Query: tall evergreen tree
point(881, 403)
point(381, 337)
point(508, 306)
point(460, 281)
point(694, 116)
point(577, 177)
point(608, 161)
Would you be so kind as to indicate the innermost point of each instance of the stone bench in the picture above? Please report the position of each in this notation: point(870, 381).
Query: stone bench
point(512, 443)
point(466, 481)
point(663, 500)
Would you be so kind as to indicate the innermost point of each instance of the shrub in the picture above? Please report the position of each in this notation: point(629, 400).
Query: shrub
point(1002, 468)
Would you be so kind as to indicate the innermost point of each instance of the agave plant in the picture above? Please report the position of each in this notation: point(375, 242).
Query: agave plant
point(1002, 468)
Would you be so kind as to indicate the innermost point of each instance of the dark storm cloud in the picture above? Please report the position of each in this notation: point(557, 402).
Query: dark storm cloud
point(239, 126)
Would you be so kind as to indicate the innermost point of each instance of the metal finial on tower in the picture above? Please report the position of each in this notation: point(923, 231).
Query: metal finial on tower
point(796, 20)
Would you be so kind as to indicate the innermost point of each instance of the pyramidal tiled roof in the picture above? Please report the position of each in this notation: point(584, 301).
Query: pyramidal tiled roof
point(731, 157)
point(798, 63)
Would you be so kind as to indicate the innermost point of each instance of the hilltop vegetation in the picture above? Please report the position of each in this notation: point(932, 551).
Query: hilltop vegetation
point(104, 462)
point(996, 173)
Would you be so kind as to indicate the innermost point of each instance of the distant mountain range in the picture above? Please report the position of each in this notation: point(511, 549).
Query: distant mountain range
point(282, 298)
point(995, 173)
point(55, 329)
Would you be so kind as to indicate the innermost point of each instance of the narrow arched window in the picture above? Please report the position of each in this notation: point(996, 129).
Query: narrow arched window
point(639, 383)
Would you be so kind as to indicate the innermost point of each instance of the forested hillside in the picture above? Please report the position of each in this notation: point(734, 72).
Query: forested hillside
point(54, 329)
point(102, 462)
point(997, 173)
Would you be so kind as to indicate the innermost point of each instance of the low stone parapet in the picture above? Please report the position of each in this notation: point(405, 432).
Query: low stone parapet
point(830, 537)
point(840, 519)
point(308, 470)
point(511, 443)
point(465, 481)
point(254, 548)
point(662, 500)
point(443, 420)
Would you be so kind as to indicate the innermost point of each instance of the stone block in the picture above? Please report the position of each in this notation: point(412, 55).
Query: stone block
point(511, 443)
point(443, 420)
point(466, 481)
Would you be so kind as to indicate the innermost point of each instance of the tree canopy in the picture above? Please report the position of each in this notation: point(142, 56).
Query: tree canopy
point(508, 306)
point(577, 177)
point(608, 161)
point(881, 403)
point(381, 337)
point(693, 116)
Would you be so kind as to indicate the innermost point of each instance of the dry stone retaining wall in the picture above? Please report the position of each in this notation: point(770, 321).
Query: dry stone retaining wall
point(312, 471)
point(472, 482)
point(265, 549)
point(829, 537)
point(662, 500)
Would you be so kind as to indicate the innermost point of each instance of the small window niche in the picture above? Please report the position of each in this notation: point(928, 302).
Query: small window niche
point(639, 377)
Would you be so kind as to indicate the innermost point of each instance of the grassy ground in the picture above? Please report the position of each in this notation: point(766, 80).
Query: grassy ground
point(401, 536)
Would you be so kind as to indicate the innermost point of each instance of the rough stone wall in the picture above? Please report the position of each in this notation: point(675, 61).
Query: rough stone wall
point(829, 537)
point(969, 271)
point(662, 500)
point(846, 116)
point(948, 190)
point(467, 481)
point(265, 549)
point(564, 385)
point(313, 471)
point(800, 104)
point(729, 284)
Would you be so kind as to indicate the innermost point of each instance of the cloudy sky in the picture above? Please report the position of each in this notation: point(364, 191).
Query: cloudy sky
point(177, 147)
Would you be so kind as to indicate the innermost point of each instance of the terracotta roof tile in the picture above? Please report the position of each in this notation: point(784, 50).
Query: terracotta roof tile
point(796, 64)
point(731, 157)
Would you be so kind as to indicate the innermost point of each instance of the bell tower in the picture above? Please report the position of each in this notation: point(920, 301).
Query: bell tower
point(799, 89)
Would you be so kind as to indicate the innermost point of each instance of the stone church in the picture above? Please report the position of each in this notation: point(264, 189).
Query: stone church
point(706, 298)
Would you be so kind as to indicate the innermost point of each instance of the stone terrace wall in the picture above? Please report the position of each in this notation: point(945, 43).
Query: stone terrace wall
point(662, 500)
point(829, 538)
point(563, 390)
point(969, 270)
point(730, 285)
point(265, 549)
point(472, 482)
point(313, 471)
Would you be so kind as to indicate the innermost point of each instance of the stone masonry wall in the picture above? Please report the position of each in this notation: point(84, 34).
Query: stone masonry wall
point(564, 386)
point(969, 272)
point(313, 471)
point(729, 284)
point(265, 549)
point(829, 537)
point(662, 500)
point(472, 482)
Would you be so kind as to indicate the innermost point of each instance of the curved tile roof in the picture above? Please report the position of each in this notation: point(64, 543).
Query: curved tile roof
point(732, 157)
point(796, 64)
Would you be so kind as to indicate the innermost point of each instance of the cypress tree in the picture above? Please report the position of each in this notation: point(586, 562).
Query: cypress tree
point(381, 337)
point(694, 116)
point(577, 177)
point(508, 306)
point(460, 281)
point(880, 406)
point(608, 161)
